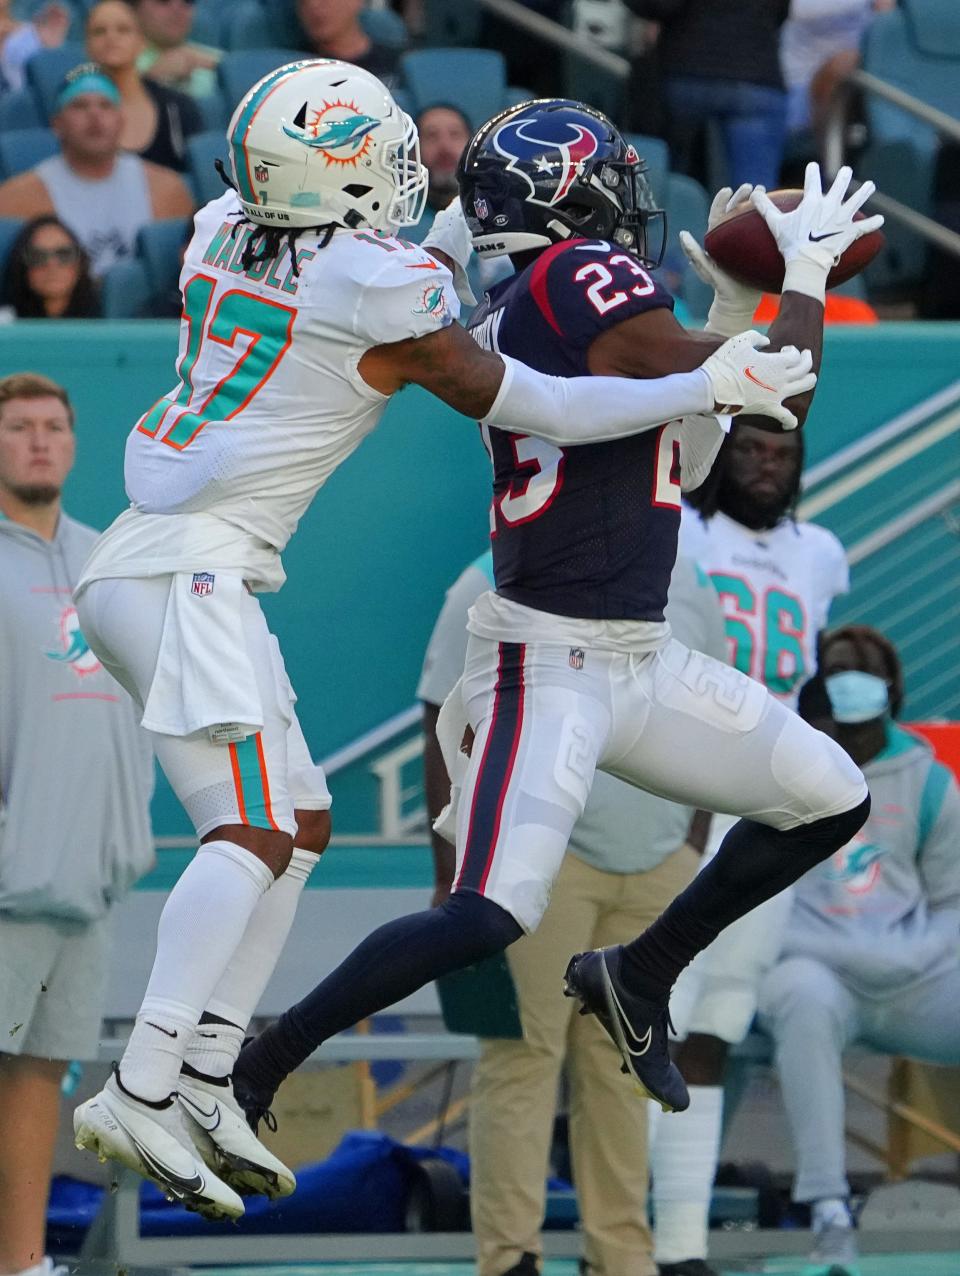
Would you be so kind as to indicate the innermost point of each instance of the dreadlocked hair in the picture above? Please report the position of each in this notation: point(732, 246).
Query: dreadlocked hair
point(266, 242)
point(862, 638)
point(705, 499)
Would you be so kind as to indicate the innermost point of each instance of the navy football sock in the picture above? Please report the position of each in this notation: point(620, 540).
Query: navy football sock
point(754, 863)
point(389, 965)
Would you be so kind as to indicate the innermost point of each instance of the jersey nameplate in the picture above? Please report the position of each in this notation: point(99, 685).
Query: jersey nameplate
point(225, 253)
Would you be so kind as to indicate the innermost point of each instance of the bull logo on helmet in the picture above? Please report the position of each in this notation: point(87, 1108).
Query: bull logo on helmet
point(556, 148)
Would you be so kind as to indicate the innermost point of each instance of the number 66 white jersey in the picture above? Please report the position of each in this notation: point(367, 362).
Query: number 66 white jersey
point(269, 400)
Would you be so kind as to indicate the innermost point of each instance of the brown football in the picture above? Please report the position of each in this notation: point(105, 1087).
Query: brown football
point(744, 246)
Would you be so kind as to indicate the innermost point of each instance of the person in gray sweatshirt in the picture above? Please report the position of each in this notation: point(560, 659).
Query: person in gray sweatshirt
point(76, 774)
point(872, 950)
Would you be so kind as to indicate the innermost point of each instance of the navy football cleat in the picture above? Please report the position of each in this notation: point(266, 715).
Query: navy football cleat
point(637, 1027)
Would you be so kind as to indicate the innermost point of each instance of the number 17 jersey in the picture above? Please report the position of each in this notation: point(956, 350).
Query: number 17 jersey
point(270, 400)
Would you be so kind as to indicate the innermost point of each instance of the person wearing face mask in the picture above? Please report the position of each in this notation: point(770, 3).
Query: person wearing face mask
point(871, 950)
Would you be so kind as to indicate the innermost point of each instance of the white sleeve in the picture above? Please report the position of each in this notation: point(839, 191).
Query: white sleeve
point(839, 576)
point(447, 649)
point(410, 295)
point(700, 440)
point(575, 410)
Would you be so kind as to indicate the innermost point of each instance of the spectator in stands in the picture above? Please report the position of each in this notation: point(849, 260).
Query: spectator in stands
point(820, 47)
point(19, 41)
point(103, 195)
point(48, 274)
point(629, 853)
point(156, 120)
point(170, 56)
point(332, 29)
point(444, 133)
point(66, 729)
point(870, 953)
point(719, 60)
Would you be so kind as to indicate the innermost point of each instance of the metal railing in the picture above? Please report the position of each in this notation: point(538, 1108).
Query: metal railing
point(834, 140)
point(560, 36)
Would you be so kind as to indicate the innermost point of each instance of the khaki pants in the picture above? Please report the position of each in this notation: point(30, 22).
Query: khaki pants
point(515, 1084)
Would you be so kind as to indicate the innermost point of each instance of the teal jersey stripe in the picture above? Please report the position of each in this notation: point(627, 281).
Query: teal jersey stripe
point(251, 783)
point(243, 123)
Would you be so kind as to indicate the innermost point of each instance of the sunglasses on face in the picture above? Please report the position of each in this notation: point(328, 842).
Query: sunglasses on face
point(65, 256)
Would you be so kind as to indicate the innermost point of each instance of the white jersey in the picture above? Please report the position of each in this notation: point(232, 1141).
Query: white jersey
point(775, 587)
point(270, 400)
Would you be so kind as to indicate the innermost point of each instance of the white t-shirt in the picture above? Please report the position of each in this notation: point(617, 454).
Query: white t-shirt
point(269, 400)
point(775, 588)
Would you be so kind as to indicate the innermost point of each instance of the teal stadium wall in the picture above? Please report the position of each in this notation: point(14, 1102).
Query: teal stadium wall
point(394, 526)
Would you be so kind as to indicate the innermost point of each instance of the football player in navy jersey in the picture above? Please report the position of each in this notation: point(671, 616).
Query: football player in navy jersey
point(570, 664)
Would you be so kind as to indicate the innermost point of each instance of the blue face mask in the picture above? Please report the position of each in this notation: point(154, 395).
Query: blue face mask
point(856, 696)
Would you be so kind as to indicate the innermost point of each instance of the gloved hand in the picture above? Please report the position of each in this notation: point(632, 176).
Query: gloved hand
point(734, 303)
point(744, 380)
point(450, 235)
point(820, 229)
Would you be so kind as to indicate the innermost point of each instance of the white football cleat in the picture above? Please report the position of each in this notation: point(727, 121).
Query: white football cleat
point(154, 1142)
point(225, 1141)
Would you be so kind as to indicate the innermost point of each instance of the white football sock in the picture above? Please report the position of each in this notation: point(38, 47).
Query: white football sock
point(832, 1211)
point(214, 1048)
point(200, 927)
point(684, 1164)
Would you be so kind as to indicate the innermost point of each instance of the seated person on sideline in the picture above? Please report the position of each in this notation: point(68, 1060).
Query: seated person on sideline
point(156, 120)
point(101, 193)
point(48, 274)
point(870, 953)
point(630, 853)
point(19, 41)
point(332, 29)
point(170, 57)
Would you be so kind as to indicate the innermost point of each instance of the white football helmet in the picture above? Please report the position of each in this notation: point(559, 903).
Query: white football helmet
point(323, 141)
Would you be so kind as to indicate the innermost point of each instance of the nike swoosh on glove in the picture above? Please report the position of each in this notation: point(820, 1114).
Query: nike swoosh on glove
point(814, 236)
point(745, 379)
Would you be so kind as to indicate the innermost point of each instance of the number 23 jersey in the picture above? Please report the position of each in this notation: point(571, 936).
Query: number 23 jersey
point(776, 587)
point(270, 400)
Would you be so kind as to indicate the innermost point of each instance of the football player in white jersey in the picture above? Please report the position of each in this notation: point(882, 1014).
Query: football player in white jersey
point(303, 313)
point(776, 577)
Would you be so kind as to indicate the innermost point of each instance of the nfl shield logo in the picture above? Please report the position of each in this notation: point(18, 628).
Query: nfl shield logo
point(202, 584)
point(481, 208)
point(262, 173)
point(576, 657)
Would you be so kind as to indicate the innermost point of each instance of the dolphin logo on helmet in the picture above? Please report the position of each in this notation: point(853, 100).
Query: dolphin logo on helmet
point(336, 134)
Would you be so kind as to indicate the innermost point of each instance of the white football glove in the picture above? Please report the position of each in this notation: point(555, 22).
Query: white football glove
point(450, 234)
point(734, 303)
point(744, 380)
point(820, 229)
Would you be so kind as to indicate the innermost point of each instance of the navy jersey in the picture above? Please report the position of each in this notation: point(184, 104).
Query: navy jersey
point(585, 531)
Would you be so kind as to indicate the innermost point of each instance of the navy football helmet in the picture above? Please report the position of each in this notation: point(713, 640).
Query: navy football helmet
point(551, 170)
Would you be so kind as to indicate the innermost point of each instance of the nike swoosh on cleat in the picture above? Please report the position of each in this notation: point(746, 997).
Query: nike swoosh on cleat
point(180, 1186)
point(166, 1031)
point(647, 1037)
point(756, 381)
point(195, 1108)
point(816, 239)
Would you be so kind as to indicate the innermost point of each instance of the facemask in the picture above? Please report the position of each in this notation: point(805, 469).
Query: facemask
point(856, 696)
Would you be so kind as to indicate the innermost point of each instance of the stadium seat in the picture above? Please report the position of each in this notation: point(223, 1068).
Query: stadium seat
point(916, 48)
point(385, 27)
point(19, 110)
point(10, 228)
point(240, 70)
point(22, 148)
point(657, 155)
point(688, 206)
point(451, 22)
point(125, 291)
point(46, 69)
point(202, 150)
point(254, 26)
point(158, 248)
point(211, 23)
point(213, 111)
point(249, 28)
point(473, 79)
